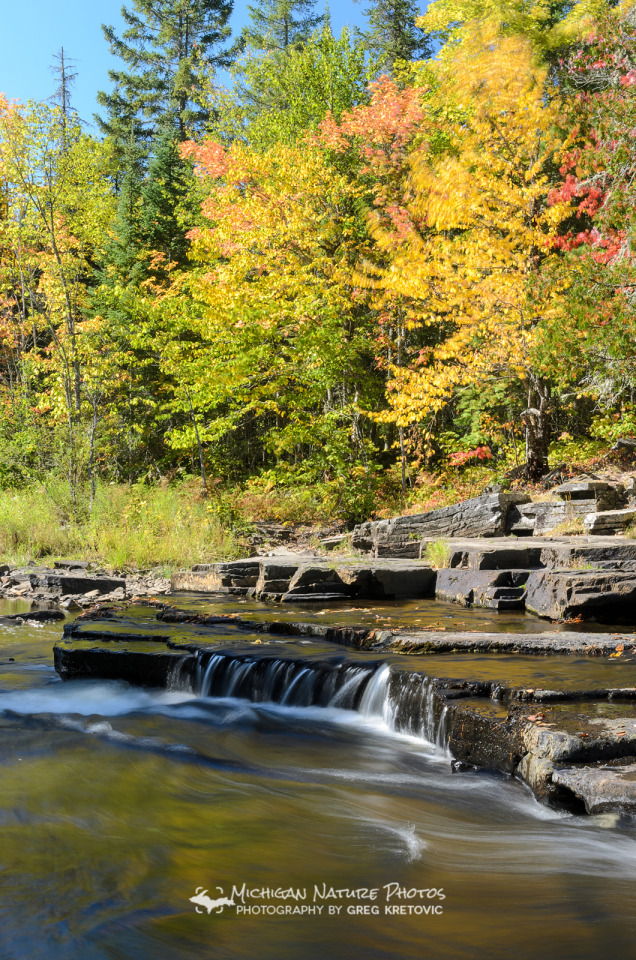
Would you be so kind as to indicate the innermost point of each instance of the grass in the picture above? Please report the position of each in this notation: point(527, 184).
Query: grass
point(129, 527)
point(572, 527)
point(438, 553)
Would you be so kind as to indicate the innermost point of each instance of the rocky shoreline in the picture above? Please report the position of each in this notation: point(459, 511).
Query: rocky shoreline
point(74, 585)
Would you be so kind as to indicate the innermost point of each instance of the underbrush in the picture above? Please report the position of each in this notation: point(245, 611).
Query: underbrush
point(171, 524)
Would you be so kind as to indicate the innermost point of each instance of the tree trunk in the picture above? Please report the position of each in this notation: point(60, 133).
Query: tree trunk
point(538, 422)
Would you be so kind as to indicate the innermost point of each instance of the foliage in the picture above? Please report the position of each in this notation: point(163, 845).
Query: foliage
point(321, 296)
point(277, 99)
point(591, 343)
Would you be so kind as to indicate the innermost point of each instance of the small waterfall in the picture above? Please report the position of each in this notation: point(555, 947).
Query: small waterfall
point(375, 701)
point(404, 701)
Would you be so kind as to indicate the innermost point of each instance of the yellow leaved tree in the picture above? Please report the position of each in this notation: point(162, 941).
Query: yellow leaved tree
point(470, 266)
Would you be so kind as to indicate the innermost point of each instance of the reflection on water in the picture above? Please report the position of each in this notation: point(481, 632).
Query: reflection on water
point(116, 804)
point(424, 614)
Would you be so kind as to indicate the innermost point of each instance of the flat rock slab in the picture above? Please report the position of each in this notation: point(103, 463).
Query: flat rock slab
point(510, 553)
point(448, 642)
point(63, 583)
point(601, 788)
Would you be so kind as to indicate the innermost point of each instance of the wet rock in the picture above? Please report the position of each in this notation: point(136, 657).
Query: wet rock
point(40, 616)
point(537, 773)
point(141, 669)
point(486, 741)
point(600, 788)
point(484, 516)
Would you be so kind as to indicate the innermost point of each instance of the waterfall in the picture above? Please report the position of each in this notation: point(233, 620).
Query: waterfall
point(405, 702)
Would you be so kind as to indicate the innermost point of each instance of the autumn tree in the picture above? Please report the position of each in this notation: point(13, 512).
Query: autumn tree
point(59, 206)
point(280, 340)
point(589, 345)
point(468, 241)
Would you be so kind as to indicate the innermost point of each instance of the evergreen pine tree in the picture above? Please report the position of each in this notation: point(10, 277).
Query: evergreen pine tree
point(122, 254)
point(280, 24)
point(165, 48)
point(392, 34)
point(164, 197)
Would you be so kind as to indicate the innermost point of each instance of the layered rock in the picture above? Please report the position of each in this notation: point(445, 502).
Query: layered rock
point(494, 589)
point(484, 516)
point(593, 594)
point(611, 522)
point(300, 579)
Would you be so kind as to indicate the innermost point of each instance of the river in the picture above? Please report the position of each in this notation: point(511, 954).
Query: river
point(332, 835)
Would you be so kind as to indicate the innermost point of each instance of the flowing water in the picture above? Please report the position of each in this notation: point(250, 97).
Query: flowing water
point(117, 805)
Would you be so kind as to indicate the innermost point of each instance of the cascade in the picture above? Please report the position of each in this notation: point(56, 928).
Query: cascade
point(404, 702)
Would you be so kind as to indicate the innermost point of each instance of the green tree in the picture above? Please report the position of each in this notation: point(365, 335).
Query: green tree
point(164, 199)
point(392, 34)
point(280, 24)
point(280, 97)
point(165, 48)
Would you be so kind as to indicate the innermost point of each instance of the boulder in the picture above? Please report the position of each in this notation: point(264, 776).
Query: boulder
point(495, 589)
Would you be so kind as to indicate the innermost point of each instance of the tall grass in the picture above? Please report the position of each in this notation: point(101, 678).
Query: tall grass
point(137, 526)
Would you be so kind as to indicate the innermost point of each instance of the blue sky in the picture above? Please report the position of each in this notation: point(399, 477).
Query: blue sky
point(33, 30)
